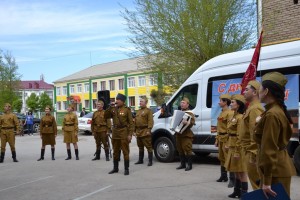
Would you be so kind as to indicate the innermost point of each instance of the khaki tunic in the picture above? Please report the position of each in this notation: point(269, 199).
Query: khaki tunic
point(222, 135)
point(143, 126)
point(48, 130)
point(100, 126)
point(272, 134)
point(184, 141)
point(232, 163)
point(248, 144)
point(70, 128)
point(8, 123)
point(122, 128)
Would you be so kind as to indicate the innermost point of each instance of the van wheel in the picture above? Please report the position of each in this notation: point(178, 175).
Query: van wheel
point(202, 154)
point(297, 158)
point(36, 128)
point(164, 149)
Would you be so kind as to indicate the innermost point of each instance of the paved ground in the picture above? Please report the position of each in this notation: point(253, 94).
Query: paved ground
point(89, 180)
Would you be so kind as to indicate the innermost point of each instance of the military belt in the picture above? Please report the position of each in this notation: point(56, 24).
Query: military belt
point(222, 133)
point(118, 126)
point(100, 125)
point(140, 127)
point(232, 134)
point(7, 127)
point(48, 125)
point(69, 124)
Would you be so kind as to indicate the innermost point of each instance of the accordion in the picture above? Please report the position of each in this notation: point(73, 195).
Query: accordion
point(177, 121)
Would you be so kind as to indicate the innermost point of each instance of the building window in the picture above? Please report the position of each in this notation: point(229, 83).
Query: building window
point(58, 91)
point(86, 87)
point(131, 82)
point(79, 88)
point(58, 105)
point(112, 85)
point(131, 101)
point(142, 80)
point(72, 89)
point(94, 103)
point(86, 104)
point(65, 90)
point(121, 84)
point(152, 102)
point(65, 105)
point(153, 79)
point(103, 85)
point(94, 86)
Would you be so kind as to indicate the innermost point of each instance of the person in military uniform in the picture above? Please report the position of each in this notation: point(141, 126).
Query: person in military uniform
point(70, 129)
point(222, 136)
point(248, 144)
point(143, 125)
point(100, 128)
point(272, 134)
point(234, 161)
point(122, 131)
point(9, 123)
point(48, 132)
point(184, 140)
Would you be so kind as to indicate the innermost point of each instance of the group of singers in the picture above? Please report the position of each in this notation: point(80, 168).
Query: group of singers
point(253, 141)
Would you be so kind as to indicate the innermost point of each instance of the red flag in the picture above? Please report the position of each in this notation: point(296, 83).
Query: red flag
point(251, 71)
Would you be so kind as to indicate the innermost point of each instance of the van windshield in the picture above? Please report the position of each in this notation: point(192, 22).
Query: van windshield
point(190, 92)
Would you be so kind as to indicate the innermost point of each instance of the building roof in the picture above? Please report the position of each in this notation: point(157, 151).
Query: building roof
point(105, 69)
point(36, 85)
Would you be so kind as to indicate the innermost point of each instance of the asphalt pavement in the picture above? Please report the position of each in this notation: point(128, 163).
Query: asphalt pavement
point(89, 180)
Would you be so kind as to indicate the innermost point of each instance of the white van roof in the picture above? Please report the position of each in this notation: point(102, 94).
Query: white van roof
point(245, 56)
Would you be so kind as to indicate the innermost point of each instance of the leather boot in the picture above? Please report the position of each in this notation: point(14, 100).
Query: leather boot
point(97, 155)
point(106, 155)
point(69, 154)
point(42, 155)
point(150, 157)
point(231, 180)
point(53, 153)
point(77, 154)
point(244, 188)
point(2, 157)
point(14, 156)
point(182, 162)
point(116, 167)
point(236, 190)
point(223, 177)
point(189, 163)
point(141, 158)
point(126, 166)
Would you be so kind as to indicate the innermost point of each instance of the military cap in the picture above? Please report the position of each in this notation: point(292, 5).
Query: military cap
point(275, 77)
point(255, 84)
point(186, 100)
point(49, 107)
point(121, 97)
point(239, 97)
point(225, 96)
point(7, 104)
point(71, 106)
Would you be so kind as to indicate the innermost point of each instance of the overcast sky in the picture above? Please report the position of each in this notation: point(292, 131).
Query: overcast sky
point(59, 37)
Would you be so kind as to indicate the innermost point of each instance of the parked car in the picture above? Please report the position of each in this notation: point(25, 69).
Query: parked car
point(84, 123)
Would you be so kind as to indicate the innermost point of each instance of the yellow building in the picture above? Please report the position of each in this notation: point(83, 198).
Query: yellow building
point(124, 76)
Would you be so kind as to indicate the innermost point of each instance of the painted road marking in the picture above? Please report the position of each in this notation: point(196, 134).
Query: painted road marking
point(92, 193)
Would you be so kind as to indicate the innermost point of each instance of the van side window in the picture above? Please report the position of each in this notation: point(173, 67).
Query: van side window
point(189, 91)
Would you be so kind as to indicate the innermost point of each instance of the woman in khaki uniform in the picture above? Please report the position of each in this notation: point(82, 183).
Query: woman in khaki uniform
point(48, 132)
point(70, 128)
point(222, 136)
point(272, 134)
point(234, 161)
point(184, 140)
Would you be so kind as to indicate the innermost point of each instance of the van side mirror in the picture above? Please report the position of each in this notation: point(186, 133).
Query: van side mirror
point(164, 111)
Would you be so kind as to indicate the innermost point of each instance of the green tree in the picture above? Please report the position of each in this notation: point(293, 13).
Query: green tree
point(44, 101)
point(9, 79)
point(33, 102)
point(177, 36)
point(17, 105)
point(158, 96)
